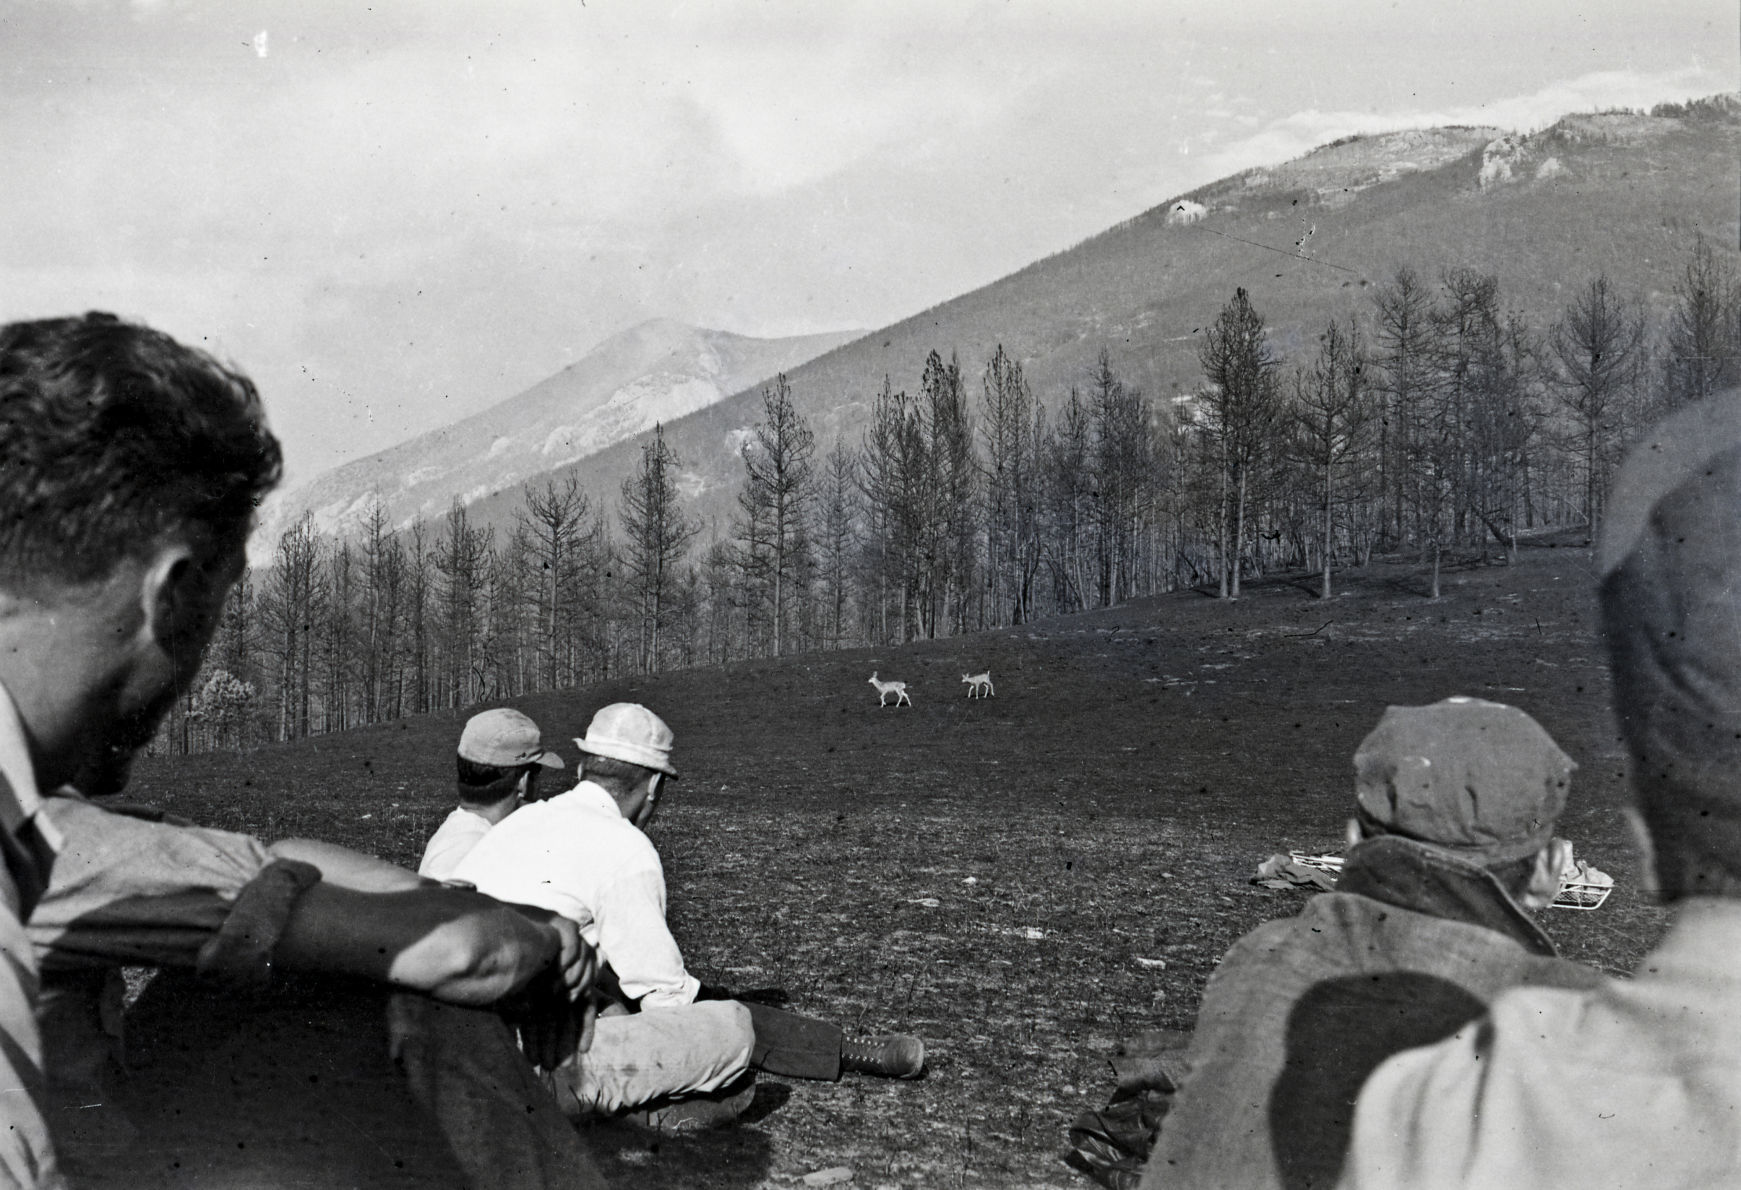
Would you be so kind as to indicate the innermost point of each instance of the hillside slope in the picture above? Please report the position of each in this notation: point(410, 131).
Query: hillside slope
point(1024, 880)
point(657, 371)
point(1619, 193)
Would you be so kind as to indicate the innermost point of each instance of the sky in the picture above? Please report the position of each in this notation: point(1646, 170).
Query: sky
point(394, 214)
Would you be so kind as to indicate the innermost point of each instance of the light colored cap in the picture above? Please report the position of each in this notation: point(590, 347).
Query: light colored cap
point(1479, 778)
point(506, 739)
point(629, 731)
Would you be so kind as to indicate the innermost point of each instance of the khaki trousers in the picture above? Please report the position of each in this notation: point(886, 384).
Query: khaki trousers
point(658, 1054)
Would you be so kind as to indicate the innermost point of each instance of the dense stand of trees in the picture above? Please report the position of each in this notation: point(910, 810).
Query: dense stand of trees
point(1436, 422)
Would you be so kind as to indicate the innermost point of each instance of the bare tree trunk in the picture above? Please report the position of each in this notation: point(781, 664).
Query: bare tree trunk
point(1329, 527)
point(1221, 536)
point(1239, 535)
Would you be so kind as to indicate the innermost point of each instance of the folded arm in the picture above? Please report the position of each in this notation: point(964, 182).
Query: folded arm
point(126, 890)
point(345, 868)
point(455, 945)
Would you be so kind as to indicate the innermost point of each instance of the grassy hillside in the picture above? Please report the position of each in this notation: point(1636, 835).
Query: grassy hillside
point(1617, 193)
point(987, 873)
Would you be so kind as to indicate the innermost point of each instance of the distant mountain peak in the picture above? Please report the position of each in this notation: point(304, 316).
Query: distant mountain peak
point(1308, 238)
point(655, 371)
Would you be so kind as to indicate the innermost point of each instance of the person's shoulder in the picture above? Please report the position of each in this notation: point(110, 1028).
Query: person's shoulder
point(1548, 1014)
point(91, 832)
point(460, 820)
point(504, 845)
point(1560, 974)
point(1317, 925)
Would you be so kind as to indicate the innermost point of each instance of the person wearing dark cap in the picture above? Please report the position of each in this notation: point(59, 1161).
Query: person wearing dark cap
point(1452, 852)
point(682, 1053)
point(1636, 1082)
point(500, 757)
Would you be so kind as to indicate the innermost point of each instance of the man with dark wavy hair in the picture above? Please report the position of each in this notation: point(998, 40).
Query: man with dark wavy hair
point(130, 468)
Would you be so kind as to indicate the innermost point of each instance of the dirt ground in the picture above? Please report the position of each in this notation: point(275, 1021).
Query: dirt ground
point(986, 873)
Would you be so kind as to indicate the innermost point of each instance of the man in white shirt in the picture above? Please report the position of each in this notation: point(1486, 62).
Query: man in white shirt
point(583, 855)
point(500, 757)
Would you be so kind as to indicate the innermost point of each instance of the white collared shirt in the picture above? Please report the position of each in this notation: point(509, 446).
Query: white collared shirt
point(575, 854)
point(452, 841)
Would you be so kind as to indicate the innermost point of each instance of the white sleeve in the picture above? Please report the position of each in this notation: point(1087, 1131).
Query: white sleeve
point(444, 852)
point(635, 940)
point(1417, 1121)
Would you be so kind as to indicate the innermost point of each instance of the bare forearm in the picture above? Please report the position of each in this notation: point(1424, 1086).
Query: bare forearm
point(344, 868)
point(476, 960)
point(454, 945)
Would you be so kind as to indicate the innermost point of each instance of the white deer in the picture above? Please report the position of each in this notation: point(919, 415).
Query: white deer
point(884, 689)
point(979, 685)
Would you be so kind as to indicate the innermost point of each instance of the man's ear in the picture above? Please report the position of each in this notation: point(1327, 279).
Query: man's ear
point(174, 599)
point(1352, 834)
point(646, 800)
point(183, 595)
point(165, 596)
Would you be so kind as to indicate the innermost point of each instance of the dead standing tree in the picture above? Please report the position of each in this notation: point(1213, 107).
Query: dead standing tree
point(837, 540)
point(1067, 449)
point(951, 491)
point(381, 616)
point(776, 501)
point(1242, 407)
point(1010, 482)
point(293, 599)
point(1702, 346)
point(1332, 410)
point(656, 536)
point(1403, 355)
point(560, 542)
point(461, 557)
point(1124, 469)
point(892, 473)
point(1599, 345)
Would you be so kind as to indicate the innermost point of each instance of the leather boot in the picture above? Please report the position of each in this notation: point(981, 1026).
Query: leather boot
point(897, 1055)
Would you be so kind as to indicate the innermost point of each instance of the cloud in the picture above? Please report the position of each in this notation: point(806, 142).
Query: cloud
point(1299, 132)
point(405, 208)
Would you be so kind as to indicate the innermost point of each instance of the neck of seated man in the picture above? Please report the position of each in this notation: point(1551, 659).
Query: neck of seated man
point(1432, 880)
point(492, 811)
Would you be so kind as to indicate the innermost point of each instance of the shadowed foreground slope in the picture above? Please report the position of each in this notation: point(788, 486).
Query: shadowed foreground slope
point(987, 873)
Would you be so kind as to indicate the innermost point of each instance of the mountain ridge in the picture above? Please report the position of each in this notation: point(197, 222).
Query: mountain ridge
point(1616, 192)
point(658, 370)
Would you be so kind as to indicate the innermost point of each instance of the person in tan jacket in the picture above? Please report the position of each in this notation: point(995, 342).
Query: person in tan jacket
point(1637, 1082)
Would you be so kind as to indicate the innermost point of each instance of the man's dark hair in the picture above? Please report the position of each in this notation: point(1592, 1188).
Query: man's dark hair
point(618, 776)
point(114, 435)
point(487, 784)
